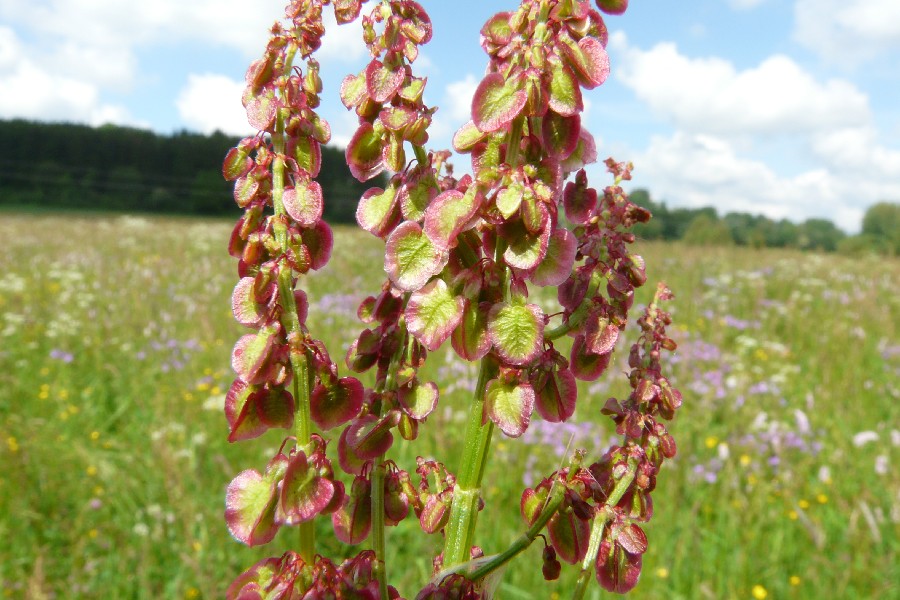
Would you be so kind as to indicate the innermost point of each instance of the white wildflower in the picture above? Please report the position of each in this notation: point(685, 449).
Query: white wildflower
point(864, 437)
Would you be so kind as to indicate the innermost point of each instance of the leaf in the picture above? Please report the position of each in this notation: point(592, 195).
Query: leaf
point(509, 199)
point(509, 406)
point(435, 514)
point(353, 90)
point(377, 211)
point(585, 153)
point(516, 332)
point(579, 201)
point(600, 335)
point(319, 241)
point(369, 436)
point(236, 164)
point(589, 61)
point(555, 401)
point(633, 539)
point(416, 193)
point(304, 493)
point(418, 400)
point(586, 366)
point(449, 213)
point(308, 154)
point(247, 311)
point(470, 338)
point(261, 108)
point(569, 536)
point(410, 258)
point(381, 82)
point(248, 359)
point(303, 202)
point(497, 101)
point(363, 153)
point(432, 314)
point(250, 501)
point(337, 403)
point(467, 137)
point(617, 570)
point(565, 94)
point(396, 118)
point(560, 134)
point(353, 521)
point(558, 261)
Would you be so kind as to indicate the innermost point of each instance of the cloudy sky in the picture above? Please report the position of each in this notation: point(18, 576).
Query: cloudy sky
point(787, 108)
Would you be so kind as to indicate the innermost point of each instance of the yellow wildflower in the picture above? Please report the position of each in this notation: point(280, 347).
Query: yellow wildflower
point(759, 592)
point(794, 580)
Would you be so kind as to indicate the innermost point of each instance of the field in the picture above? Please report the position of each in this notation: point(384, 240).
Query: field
point(115, 337)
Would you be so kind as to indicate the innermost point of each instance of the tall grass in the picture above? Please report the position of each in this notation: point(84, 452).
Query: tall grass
point(115, 336)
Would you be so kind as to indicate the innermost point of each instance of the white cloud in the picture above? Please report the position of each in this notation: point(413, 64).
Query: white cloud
point(458, 98)
point(857, 152)
point(709, 95)
point(701, 170)
point(847, 32)
point(29, 91)
point(213, 102)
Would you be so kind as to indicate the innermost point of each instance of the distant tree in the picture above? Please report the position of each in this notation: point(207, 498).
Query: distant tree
point(882, 223)
point(654, 229)
point(819, 234)
point(705, 230)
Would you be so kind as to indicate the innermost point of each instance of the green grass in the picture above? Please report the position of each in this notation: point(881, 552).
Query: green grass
point(113, 465)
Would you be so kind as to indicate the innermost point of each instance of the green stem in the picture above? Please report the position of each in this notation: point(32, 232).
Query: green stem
point(464, 509)
point(302, 384)
point(378, 537)
point(579, 314)
point(601, 518)
point(554, 501)
point(379, 472)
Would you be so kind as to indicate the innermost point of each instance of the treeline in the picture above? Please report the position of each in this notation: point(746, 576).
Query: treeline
point(704, 227)
point(111, 168)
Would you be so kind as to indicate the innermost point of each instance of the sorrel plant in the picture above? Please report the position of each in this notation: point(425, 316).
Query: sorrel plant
point(462, 257)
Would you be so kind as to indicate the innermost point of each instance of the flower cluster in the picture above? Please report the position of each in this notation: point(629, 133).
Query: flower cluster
point(462, 258)
point(604, 502)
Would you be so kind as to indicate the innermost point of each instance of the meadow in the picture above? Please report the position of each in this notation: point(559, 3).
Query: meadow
point(115, 337)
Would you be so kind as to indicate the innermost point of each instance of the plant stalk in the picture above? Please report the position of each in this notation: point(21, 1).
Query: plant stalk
point(467, 492)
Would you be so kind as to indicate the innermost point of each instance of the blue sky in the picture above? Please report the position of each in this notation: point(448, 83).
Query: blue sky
point(787, 108)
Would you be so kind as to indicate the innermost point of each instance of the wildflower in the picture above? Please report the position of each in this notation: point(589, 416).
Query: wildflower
point(792, 515)
point(821, 498)
point(744, 460)
point(864, 437)
point(759, 592)
point(13, 444)
point(141, 529)
point(662, 572)
point(93, 533)
point(91, 471)
point(95, 435)
point(711, 442)
point(794, 580)
point(881, 464)
point(804, 504)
